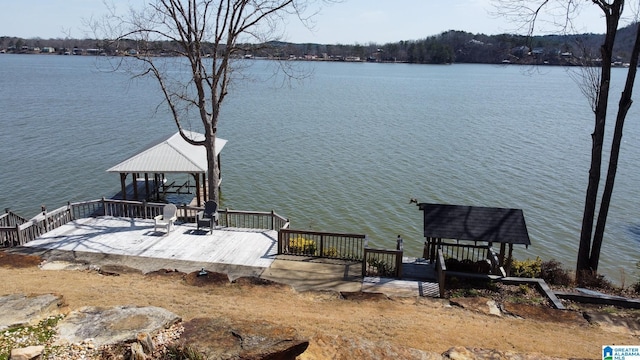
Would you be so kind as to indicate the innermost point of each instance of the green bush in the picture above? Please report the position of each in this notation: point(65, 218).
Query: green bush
point(378, 267)
point(554, 273)
point(526, 268)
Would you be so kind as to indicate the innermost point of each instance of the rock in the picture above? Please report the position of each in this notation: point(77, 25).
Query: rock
point(113, 325)
point(478, 304)
point(63, 265)
point(614, 323)
point(341, 348)
point(27, 353)
point(460, 353)
point(467, 353)
point(144, 339)
point(137, 352)
point(222, 338)
point(21, 310)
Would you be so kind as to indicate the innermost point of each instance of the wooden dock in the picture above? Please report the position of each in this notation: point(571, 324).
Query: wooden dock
point(137, 237)
point(134, 243)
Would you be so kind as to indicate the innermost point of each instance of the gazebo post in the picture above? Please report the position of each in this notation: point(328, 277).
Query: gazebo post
point(123, 185)
point(197, 178)
point(146, 184)
point(508, 269)
point(204, 186)
point(135, 186)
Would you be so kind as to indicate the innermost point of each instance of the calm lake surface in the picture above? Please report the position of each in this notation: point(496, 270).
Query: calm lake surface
point(344, 150)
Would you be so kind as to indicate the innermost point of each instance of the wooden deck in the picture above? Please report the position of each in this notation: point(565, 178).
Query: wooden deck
point(137, 237)
point(237, 252)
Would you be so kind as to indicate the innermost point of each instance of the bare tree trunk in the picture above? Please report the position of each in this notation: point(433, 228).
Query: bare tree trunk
point(612, 16)
point(623, 108)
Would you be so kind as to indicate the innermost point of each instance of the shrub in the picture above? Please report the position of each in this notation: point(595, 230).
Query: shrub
point(527, 268)
point(302, 246)
point(19, 337)
point(593, 280)
point(331, 252)
point(554, 273)
point(183, 353)
point(378, 267)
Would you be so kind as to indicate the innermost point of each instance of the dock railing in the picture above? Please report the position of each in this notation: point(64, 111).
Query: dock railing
point(472, 258)
point(321, 244)
point(17, 231)
point(441, 271)
point(383, 262)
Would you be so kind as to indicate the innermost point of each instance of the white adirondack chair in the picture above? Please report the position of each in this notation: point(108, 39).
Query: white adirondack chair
point(167, 218)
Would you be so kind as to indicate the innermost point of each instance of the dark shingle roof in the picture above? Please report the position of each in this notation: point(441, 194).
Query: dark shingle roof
point(458, 222)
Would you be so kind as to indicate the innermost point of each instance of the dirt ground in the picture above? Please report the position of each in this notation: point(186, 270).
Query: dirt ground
point(421, 323)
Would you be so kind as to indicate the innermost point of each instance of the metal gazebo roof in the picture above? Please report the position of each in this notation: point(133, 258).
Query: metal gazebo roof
point(169, 155)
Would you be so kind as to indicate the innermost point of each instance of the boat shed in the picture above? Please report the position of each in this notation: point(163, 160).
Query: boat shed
point(169, 155)
point(470, 228)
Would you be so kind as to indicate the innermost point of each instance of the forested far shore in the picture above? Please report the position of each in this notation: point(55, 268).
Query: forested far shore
point(448, 47)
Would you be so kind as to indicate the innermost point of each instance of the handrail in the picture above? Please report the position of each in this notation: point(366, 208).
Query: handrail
point(321, 244)
point(441, 270)
point(382, 263)
point(23, 232)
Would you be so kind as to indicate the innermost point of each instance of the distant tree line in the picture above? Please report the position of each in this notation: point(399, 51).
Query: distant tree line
point(448, 47)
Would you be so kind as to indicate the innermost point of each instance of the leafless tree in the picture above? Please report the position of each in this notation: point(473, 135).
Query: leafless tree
point(209, 36)
point(595, 85)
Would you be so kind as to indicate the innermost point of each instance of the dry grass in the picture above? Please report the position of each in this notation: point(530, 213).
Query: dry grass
point(426, 324)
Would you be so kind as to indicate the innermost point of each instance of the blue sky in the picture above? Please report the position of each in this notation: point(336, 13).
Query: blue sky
point(348, 22)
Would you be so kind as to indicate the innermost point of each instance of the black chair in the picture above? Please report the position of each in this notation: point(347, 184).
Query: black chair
point(209, 216)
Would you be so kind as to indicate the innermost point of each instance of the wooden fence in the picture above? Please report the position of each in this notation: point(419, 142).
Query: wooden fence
point(17, 231)
point(321, 244)
point(383, 262)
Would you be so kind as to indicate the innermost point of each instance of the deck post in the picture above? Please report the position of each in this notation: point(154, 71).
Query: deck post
point(399, 256)
point(18, 235)
point(70, 211)
point(226, 216)
point(280, 242)
point(273, 219)
point(104, 206)
point(44, 221)
point(144, 208)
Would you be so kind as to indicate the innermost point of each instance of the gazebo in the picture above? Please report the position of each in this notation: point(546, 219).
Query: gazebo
point(467, 233)
point(172, 155)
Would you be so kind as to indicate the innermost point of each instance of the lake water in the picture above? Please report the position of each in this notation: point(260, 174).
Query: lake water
point(344, 150)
